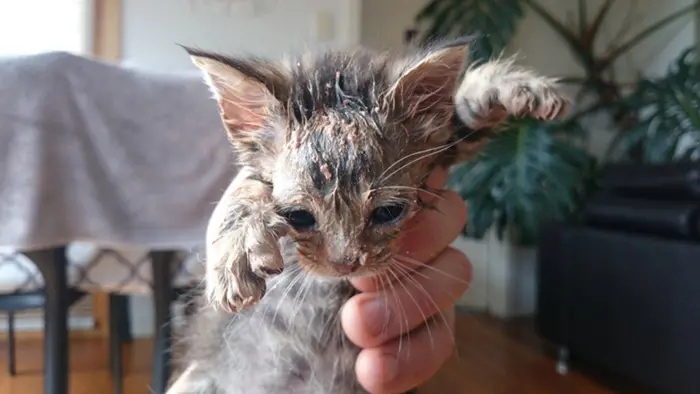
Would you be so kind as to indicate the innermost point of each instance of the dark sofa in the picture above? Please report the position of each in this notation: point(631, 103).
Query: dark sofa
point(622, 288)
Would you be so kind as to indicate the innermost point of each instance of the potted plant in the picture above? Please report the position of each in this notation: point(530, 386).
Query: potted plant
point(534, 172)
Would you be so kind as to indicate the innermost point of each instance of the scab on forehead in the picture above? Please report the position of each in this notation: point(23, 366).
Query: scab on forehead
point(322, 177)
point(332, 155)
point(326, 172)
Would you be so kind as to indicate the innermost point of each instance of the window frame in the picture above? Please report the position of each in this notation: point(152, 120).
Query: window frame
point(89, 26)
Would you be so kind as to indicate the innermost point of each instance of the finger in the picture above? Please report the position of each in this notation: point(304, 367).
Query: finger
point(436, 181)
point(402, 365)
point(370, 319)
point(429, 232)
point(438, 178)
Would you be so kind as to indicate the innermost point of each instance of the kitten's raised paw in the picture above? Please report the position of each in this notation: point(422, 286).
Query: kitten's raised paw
point(492, 92)
point(541, 101)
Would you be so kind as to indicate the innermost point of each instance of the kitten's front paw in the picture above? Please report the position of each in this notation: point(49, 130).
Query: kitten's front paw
point(539, 100)
point(494, 91)
point(238, 282)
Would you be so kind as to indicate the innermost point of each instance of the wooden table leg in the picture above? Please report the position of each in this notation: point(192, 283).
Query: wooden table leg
point(52, 264)
point(162, 264)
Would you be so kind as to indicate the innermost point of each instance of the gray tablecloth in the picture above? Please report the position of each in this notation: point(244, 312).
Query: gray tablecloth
point(95, 152)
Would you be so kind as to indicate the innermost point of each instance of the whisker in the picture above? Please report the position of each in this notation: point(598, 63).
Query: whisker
point(398, 162)
point(381, 286)
point(430, 334)
point(279, 280)
point(283, 275)
point(442, 149)
point(298, 300)
point(423, 290)
point(406, 259)
point(286, 293)
point(410, 271)
point(402, 310)
point(406, 326)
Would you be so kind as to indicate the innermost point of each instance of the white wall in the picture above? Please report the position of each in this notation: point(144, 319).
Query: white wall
point(152, 28)
point(385, 21)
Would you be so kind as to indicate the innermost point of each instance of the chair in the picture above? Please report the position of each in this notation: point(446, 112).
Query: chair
point(23, 285)
point(168, 275)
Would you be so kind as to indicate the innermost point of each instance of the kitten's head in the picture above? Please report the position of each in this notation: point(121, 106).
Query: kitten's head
point(346, 139)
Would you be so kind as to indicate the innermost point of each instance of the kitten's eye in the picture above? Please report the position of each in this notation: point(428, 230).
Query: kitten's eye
point(388, 214)
point(300, 219)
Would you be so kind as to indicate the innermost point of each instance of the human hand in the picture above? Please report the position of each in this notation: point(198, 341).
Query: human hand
point(406, 330)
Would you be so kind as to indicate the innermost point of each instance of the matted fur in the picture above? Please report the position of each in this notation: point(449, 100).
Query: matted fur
point(340, 135)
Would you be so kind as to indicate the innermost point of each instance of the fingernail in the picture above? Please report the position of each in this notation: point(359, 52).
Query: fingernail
point(377, 315)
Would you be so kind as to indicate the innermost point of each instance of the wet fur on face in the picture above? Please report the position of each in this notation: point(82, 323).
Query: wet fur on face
point(333, 149)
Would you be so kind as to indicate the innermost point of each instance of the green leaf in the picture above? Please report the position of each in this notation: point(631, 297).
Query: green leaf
point(527, 174)
point(669, 113)
point(430, 9)
point(492, 22)
point(445, 20)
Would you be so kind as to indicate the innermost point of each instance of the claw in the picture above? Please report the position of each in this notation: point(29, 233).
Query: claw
point(491, 92)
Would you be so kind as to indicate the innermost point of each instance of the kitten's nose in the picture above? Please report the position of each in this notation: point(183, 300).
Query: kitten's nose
point(346, 266)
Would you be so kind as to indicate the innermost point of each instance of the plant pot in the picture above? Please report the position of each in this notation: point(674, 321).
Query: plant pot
point(504, 278)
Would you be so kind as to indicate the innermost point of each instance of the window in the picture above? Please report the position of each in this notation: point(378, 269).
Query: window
point(34, 26)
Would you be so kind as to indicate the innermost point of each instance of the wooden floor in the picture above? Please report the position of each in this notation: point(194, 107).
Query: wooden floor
point(493, 358)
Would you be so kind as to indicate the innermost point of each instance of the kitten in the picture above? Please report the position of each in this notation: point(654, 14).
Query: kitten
point(333, 149)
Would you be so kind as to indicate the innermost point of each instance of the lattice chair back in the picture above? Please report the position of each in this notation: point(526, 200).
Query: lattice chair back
point(128, 270)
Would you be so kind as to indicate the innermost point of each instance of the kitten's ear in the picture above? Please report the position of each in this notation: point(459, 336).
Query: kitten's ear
point(245, 90)
point(425, 85)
